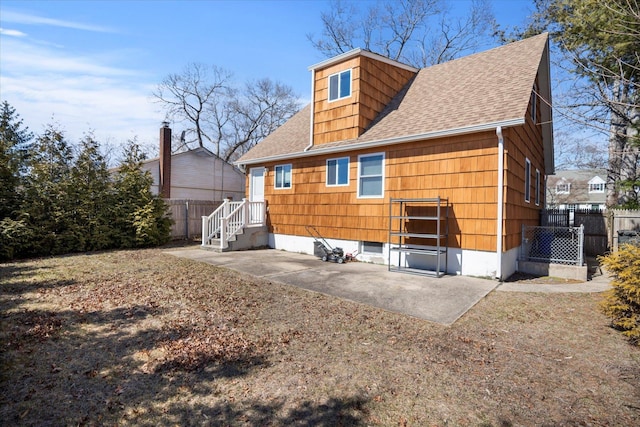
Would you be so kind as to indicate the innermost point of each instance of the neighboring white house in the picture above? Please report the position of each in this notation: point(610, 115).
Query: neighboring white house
point(577, 189)
point(199, 175)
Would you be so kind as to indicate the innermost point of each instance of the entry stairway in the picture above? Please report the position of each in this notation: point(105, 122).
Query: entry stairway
point(235, 226)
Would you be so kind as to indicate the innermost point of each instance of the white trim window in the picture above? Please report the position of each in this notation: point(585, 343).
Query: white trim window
point(563, 187)
point(282, 176)
point(338, 172)
point(537, 187)
point(534, 102)
point(596, 185)
point(340, 85)
point(527, 180)
point(371, 176)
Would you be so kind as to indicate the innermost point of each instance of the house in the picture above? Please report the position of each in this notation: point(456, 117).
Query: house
point(577, 190)
point(470, 139)
point(195, 174)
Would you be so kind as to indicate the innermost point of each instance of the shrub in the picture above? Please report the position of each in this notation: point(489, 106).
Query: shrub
point(15, 238)
point(622, 302)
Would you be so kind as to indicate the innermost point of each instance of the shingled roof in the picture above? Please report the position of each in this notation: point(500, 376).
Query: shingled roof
point(474, 93)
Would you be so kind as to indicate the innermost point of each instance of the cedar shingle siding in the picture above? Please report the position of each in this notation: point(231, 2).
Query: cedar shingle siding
point(437, 129)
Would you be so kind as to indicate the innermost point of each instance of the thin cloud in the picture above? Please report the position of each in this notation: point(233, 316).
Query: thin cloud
point(24, 58)
point(23, 18)
point(82, 91)
point(12, 33)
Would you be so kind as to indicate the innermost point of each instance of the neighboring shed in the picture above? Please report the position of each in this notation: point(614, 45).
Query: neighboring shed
point(199, 175)
point(474, 133)
point(195, 174)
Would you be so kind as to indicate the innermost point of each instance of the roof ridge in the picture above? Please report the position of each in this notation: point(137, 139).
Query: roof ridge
point(509, 45)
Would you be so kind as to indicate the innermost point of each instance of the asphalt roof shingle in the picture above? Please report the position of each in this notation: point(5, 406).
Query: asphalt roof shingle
point(488, 87)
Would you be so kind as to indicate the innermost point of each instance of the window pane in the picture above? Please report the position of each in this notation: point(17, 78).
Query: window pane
point(527, 181)
point(287, 177)
point(343, 171)
point(372, 247)
point(371, 186)
point(283, 176)
point(345, 84)
point(537, 187)
point(331, 172)
point(371, 165)
point(333, 87)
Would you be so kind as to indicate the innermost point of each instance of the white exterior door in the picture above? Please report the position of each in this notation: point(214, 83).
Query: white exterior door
point(256, 192)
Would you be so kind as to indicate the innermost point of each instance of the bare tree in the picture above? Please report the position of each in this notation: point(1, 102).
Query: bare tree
point(578, 151)
point(219, 116)
point(191, 96)
point(417, 32)
point(264, 106)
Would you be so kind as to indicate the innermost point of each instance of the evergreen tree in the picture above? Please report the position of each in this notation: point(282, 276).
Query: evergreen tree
point(48, 206)
point(91, 192)
point(14, 144)
point(140, 216)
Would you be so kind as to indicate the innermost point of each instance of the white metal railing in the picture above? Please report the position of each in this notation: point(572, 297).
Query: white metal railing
point(229, 220)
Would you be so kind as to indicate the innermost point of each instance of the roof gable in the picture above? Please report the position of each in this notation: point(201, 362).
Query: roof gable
point(476, 92)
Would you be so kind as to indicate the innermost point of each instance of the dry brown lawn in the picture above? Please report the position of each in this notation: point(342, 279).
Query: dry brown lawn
point(143, 338)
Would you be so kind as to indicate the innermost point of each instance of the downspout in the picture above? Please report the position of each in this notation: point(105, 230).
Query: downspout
point(313, 90)
point(500, 202)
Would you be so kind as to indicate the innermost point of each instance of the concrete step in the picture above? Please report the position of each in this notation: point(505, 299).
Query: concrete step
point(249, 238)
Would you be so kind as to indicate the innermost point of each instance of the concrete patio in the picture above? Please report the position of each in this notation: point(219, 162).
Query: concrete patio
point(441, 300)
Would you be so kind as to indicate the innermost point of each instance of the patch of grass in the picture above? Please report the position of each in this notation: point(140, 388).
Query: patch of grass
point(143, 338)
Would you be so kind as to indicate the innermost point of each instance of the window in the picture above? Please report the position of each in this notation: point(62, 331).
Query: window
point(340, 85)
point(527, 180)
point(537, 187)
point(338, 171)
point(534, 102)
point(563, 188)
point(370, 175)
point(283, 176)
point(371, 248)
point(597, 187)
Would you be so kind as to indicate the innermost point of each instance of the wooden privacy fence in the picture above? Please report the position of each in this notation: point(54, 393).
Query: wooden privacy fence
point(622, 220)
point(600, 228)
point(187, 216)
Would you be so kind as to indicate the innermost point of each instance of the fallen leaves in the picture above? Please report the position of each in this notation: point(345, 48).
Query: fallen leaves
point(140, 338)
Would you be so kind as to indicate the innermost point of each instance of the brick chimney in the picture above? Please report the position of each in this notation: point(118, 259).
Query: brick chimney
point(165, 161)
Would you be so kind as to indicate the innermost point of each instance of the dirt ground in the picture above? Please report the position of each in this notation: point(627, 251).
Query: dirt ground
point(142, 338)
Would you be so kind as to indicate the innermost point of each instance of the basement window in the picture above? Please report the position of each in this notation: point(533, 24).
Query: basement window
point(372, 248)
point(340, 85)
point(283, 176)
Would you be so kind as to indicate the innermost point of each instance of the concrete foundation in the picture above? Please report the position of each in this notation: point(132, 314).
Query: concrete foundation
point(554, 270)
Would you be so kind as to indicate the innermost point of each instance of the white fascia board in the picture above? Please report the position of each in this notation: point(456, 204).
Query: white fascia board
point(389, 141)
point(361, 52)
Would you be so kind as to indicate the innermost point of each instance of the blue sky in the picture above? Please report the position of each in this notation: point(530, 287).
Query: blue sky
point(92, 65)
